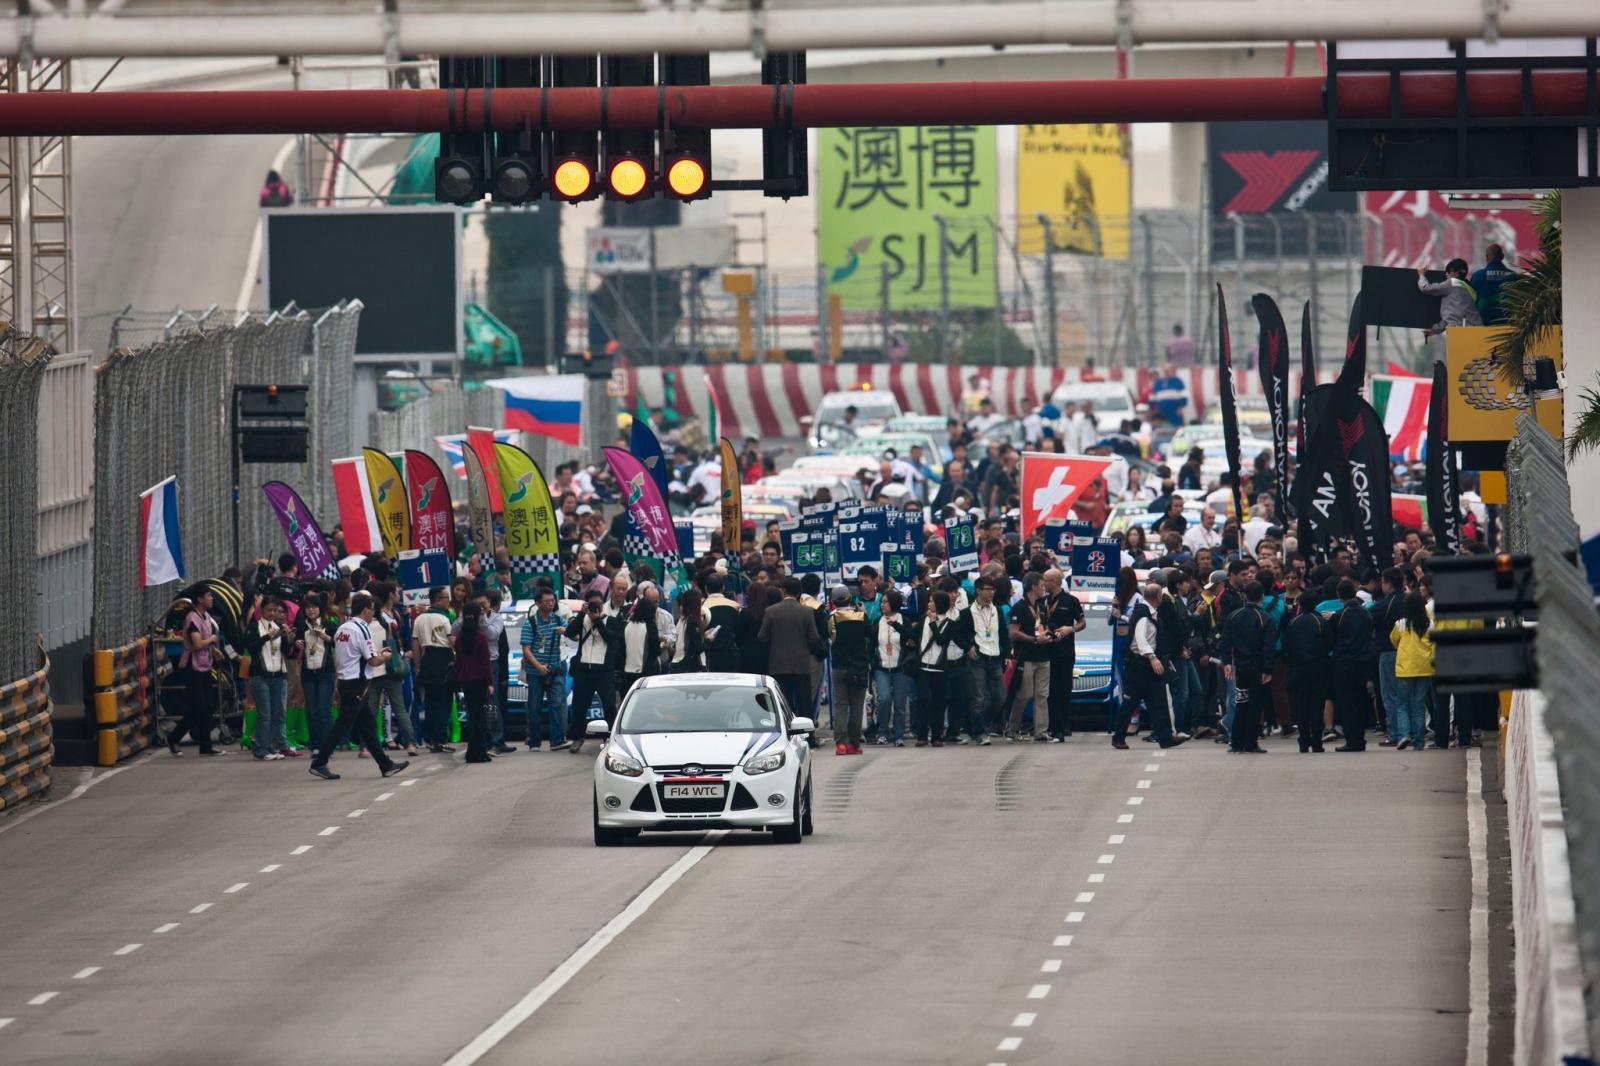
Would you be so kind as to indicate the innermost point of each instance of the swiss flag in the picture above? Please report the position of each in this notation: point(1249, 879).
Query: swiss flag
point(1052, 483)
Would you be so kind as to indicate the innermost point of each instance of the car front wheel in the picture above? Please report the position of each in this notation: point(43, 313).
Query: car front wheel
point(806, 828)
point(794, 832)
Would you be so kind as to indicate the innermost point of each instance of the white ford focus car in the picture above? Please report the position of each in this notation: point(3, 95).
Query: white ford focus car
point(703, 751)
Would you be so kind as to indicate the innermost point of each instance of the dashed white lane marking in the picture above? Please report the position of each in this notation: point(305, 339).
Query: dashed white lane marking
point(1074, 916)
point(165, 927)
point(1106, 860)
point(86, 973)
point(1023, 1020)
point(127, 949)
point(5, 1022)
point(357, 813)
point(302, 849)
point(408, 784)
point(328, 832)
point(435, 768)
point(1064, 941)
point(1051, 966)
point(1084, 897)
point(271, 866)
point(1010, 1043)
point(1038, 991)
point(200, 908)
point(1158, 755)
point(1151, 767)
point(42, 998)
point(1143, 783)
point(237, 886)
point(1095, 879)
point(1115, 838)
point(385, 796)
point(1124, 819)
point(542, 992)
point(1134, 801)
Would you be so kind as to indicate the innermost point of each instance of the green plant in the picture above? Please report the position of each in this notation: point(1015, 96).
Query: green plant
point(1586, 431)
point(1531, 301)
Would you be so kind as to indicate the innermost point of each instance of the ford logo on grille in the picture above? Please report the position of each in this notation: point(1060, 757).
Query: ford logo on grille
point(694, 771)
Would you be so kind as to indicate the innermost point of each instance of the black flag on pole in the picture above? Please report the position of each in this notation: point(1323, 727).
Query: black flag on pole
point(1343, 487)
point(1230, 413)
point(1443, 517)
point(1308, 381)
point(1353, 375)
point(1274, 356)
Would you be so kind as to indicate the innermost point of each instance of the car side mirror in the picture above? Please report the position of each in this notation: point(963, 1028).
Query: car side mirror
point(801, 726)
point(598, 728)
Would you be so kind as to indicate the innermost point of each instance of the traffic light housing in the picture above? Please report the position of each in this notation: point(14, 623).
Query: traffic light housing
point(1496, 591)
point(516, 172)
point(629, 156)
point(462, 165)
point(685, 153)
point(574, 154)
point(786, 168)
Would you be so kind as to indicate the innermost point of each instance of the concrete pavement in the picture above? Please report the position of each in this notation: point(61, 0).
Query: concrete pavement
point(1010, 904)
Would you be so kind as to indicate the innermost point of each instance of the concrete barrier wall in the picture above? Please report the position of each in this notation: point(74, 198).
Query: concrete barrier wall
point(126, 696)
point(1550, 1027)
point(26, 753)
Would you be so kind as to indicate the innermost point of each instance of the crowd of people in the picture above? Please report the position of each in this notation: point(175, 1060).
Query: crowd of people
point(1231, 633)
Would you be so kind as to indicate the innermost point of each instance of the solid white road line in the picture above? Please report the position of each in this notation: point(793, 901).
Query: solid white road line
point(1023, 1020)
point(86, 973)
point(200, 908)
point(1063, 941)
point(541, 993)
point(1084, 897)
point(166, 927)
point(1051, 966)
point(385, 796)
point(1124, 819)
point(328, 832)
point(42, 998)
point(1478, 938)
point(237, 886)
point(1038, 991)
point(1074, 916)
point(1010, 1043)
point(127, 949)
point(1115, 838)
point(357, 813)
point(270, 867)
point(302, 849)
point(1095, 879)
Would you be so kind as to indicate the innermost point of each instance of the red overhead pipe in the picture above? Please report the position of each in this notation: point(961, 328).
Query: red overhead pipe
point(1422, 95)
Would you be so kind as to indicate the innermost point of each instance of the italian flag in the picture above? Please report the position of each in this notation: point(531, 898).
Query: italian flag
point(1402, 403)
point(1410, 511)
point(713, 417)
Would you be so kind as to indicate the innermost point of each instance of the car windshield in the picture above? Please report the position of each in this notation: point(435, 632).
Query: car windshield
point(698, 709)
point(1111, 401)
point(870, 407)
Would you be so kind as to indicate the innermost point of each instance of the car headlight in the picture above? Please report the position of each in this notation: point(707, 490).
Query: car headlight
point(621, 764)
point(765, 764)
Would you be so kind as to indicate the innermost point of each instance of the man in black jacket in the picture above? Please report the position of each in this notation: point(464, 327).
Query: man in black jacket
point(850, 640)
point(1352, 665)
point(1248, 636)
point(1172, 644)
point(1388, 609)
point(594, 666)
point(1305, 646)
point(991, 647)
point(1146, 674)
point(722, 628)
point(789, 629)
point(1065, 617)
point(955, 481)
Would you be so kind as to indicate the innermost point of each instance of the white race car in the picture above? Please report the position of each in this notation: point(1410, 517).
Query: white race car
point(703, 751)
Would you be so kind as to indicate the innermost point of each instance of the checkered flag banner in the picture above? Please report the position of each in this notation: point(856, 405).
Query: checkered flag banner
point(635, 545)
point(526, 570)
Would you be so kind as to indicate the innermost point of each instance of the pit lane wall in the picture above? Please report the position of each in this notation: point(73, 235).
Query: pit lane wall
point(26, 753)
point(126, 685)
point(768, 400)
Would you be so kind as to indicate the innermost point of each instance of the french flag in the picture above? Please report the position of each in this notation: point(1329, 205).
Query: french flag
point(547, 405)
point(161, 559)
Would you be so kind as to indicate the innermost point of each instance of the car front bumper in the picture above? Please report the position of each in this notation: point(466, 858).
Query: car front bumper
point(748, 802)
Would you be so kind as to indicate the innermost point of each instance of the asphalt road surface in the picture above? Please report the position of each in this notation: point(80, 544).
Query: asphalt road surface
point(1015, 904)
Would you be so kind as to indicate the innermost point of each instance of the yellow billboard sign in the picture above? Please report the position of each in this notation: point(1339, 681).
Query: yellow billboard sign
point(1079, 178)
point(1482, 406)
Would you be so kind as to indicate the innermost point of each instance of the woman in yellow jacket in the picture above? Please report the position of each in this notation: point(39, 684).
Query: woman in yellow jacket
point(1413, 672)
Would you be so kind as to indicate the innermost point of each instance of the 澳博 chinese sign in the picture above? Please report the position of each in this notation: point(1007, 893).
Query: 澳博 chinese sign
point(879, 190)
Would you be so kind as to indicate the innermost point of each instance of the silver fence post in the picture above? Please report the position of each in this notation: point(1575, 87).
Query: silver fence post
point(944, 287)
point(1050, 289)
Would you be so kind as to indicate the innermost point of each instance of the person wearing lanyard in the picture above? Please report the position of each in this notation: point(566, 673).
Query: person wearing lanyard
point(991, 647)
point(545, 672)
point(593, 669)
point(355, 656)
point(1063, 617)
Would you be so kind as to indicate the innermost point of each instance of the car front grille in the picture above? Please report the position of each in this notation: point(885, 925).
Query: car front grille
point(644, 802)
point(699, 805)
point(742, 800)
point(1091, 682)
point(705, 768)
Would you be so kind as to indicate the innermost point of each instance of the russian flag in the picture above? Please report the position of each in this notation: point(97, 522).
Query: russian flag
point(161, 557)
point(547, 405)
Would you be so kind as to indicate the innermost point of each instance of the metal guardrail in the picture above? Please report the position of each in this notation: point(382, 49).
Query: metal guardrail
point(1539, 521)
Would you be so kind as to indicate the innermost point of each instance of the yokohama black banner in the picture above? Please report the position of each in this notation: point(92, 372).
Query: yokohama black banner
point(1353, 375)
point(1308, 381)
point(1444, 518)
point(1274, 351)
point(1230, 411)
point(1343, 486)
point(1278, 169)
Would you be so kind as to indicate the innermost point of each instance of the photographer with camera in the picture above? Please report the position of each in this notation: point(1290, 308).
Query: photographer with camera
point(355, 658)
point(596, 635)
point(269, 647)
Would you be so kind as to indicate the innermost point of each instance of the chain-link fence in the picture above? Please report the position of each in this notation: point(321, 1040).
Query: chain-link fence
point(1539, 521)
point(446, 409)
point(22, 366)
point(331, 376)
point(163, 410)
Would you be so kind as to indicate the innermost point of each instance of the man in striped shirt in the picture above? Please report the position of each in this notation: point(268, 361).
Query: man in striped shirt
point(545, 672)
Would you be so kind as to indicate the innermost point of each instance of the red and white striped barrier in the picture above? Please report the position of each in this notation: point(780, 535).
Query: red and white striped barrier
point(769, 400)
